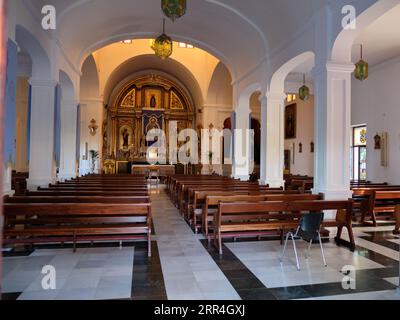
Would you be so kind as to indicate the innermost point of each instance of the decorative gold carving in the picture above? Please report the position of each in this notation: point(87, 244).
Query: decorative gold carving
point(130, 99)
point(175, 102)
point(109, 166)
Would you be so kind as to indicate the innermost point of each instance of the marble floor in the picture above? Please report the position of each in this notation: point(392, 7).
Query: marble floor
point(184, 266)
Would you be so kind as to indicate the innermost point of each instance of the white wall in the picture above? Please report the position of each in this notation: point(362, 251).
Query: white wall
point(303, 162)
point(375, 102)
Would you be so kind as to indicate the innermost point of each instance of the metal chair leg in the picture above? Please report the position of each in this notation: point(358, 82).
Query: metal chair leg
point(284, 247)
point(295, 253)
point(308, 250)
point(322, 249)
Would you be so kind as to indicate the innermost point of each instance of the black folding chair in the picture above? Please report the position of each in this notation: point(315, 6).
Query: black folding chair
point(308, 230)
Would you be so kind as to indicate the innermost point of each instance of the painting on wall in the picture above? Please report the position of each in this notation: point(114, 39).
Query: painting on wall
point(290, 121)
point(125, 138)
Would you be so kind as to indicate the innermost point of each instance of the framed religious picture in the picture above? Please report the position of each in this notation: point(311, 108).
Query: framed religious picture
point(290, 121)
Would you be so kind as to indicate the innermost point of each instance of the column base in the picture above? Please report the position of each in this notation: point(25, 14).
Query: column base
point(7, 181)
point(65, 176)
point(242, 177)
point(334, 194)
point(273, 183)
point(34, 183)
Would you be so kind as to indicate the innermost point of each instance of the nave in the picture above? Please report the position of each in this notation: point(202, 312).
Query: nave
point(184, 266)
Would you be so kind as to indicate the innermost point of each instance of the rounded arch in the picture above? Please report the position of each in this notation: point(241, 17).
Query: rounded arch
point(213, 36)
point(244, 98)
point(342, 46)
point(67, 86)
point(220, 91)
point(152, 35)
point(150, 63)
point(277, 83)
point(89, 84)
point(41, 67)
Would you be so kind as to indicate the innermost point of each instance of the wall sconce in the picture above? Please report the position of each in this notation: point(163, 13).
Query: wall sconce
point(300, 147)
point(93, 127)
point(312, 147)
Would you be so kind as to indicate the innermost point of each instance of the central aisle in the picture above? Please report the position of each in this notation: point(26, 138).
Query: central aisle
point(189, 270)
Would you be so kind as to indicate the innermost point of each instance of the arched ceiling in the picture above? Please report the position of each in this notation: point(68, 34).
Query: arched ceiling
point(238, 32)
point(153, 64)
point(381, 40)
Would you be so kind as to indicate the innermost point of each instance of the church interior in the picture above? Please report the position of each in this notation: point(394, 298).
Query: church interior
point(277, 178)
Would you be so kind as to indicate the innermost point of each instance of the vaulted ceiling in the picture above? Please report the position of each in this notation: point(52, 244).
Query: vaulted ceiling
point(238, 32)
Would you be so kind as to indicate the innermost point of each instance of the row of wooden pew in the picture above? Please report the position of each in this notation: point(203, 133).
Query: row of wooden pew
point(86, 209)
point(377, 200)
point(223, 207)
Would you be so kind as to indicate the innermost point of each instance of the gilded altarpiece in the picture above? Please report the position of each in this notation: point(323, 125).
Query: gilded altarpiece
point(145, 103)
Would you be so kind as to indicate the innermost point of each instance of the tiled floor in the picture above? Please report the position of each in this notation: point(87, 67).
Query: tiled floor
point(185, 266)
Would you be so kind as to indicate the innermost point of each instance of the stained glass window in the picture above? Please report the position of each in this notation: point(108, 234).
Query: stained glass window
point(360, 136)
point(359, 153)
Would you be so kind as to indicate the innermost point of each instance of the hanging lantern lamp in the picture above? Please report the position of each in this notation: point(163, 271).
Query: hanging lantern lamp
point(362, 67)
point(173, 9)
point(163, 45)
point(304, 91)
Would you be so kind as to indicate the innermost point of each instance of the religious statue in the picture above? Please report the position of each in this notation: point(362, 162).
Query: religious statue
point(153, 102)
point(125, 136)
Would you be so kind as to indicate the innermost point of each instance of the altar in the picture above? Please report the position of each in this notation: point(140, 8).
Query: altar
point(147, 102)
point(163, 170)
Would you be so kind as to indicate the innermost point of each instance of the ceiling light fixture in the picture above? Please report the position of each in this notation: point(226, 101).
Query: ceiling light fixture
point(304, 91)
point(362, 67)
point(163, 45)
point(173, 9)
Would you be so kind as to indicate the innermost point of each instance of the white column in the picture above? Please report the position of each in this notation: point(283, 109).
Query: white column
point(263, 155)
point(272, 141)
point(243, 162)
point(69, 115)
point(41, 162)
point(333, 123)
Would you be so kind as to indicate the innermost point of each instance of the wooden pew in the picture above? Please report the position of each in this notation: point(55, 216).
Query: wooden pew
point(256, 218)
point(186, 197)
point(74, 193)
point(382, 201)
point(211, 203)
point(198, 197)
point(397, 215)
point(62, 222)
point(76, 199)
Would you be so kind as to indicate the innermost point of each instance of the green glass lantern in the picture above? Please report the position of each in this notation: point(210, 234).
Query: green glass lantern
point(362, 67)
point(304, 91)
point(163, 45)
point(173, 9)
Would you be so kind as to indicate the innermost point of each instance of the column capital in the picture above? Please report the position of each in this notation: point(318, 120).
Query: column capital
point(36, 82)
point(344, 67)
point(263, 99)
